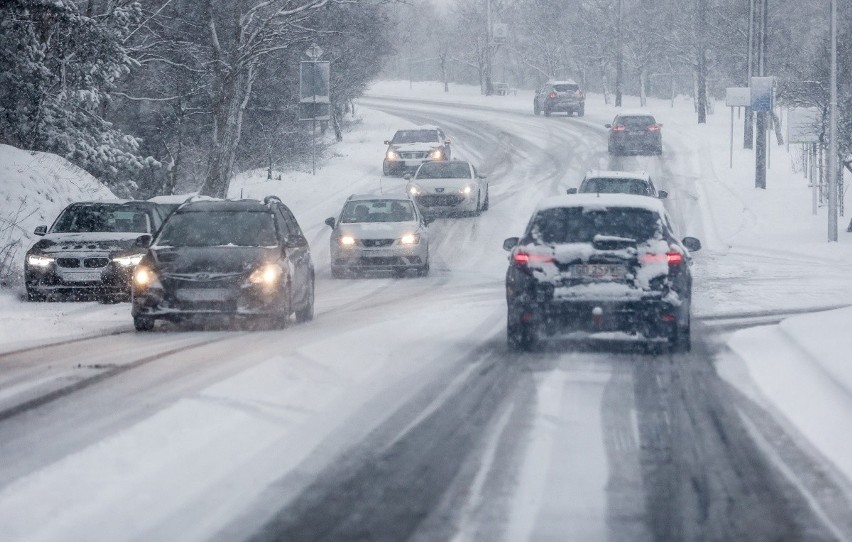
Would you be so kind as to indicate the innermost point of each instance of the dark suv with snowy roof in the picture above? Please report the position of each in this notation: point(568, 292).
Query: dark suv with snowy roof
point(212, 258)
point(599, 266)
point(564, 96)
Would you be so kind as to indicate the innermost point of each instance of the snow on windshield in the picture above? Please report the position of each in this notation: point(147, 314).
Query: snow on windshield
point(377, 211)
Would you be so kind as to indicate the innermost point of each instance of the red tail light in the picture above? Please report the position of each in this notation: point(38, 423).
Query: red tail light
point(552, 95)
point(580, 94)
point(674, 257)
point(654, 128)
point(523, 258)
point(617, 128)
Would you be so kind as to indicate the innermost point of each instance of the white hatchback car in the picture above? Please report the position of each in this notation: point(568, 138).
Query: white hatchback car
point(379, 233)
point(619, 182)
point(448, 188)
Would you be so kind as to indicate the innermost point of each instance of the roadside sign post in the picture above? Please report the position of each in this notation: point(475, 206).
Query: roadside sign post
point(761, 103)
point(803, 126)
point(314, 95)
point(736, 97)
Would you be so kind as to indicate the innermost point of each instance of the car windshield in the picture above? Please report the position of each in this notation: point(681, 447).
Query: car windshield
point(578, 225)
point(377, 211)
point(566, 87)
point(415, 136)
point(607, 185)
point(444, 170)
point(635, 121)
point(218, 228)
point(103, 218)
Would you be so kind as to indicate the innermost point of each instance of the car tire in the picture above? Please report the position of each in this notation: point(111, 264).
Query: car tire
point(680, 340)
point(659, 150)
point(385, 169)
point(536, 110)
point(581, 111)
point(306, 313)
point(143, 323)
point(478, 210)
point(486, 204)
point(423, 271)
point(547, 112)
point(520, 336)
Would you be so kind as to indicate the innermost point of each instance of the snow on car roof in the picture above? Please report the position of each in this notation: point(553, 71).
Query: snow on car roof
point(613, 174)
point(363, 197)
point(634, 113)
point(175, 198)
point(603, 201)
point(563, 82)
point(421, 127)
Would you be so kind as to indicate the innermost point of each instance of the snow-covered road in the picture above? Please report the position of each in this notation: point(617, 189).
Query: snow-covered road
point(398, 413)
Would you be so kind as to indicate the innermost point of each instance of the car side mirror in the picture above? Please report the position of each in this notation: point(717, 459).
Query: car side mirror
point(407, 176)
point(446, 142)
point(662, 194)
point(481, 176)
point(659, 125)
point(330, 222)
point(40, 230)
point(387, 142)
point(143, 241)
point(571, 191)
point(510, 243)
point(428, 220)
point(692, 244)
point(296, 241)
point(607, 125)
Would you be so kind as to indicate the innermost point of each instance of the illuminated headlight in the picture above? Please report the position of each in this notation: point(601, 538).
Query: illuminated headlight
point(144, 277)
point(437, 154)
point(409, 239)
point(37, 260)
point(128, 261)
point(413, 190)
point(466, 190)
point(392, 155)
point(267, 275)
point(347, 240)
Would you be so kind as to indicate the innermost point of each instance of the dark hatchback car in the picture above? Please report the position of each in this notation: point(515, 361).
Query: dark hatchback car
point(88, 251)
point(221, 258)
point(560, 96)
point(599, 266)
point(635, 133)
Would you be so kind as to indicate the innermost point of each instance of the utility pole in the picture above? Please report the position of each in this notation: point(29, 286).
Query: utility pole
point(489, 88)
point(833, 169)
point(619, 59)
point(702, 62)
point(760, 128)
point(748, 126)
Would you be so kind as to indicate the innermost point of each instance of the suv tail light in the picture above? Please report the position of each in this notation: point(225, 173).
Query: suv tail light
point(617, 128)
point(674, 257)
point(523, 258)
point(671, 257)
point(580, 94)
point(654, 128)
point(552, 95)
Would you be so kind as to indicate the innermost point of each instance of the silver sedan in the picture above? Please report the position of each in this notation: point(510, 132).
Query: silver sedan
point(379, 233)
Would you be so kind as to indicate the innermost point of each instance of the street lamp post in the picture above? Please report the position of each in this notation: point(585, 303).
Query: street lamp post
point(833, 169)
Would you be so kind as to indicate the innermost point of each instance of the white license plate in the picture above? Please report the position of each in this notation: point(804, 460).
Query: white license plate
point(599, 271)
point(413, 163)
point(82, 276)
point(202, 294)
point(379, 253)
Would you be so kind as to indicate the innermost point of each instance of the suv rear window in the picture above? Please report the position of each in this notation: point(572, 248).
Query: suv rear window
point(218, 228)
point(415, 136)
point(607, 185)
point(635, 121)
point(565, 87)
point(578, 225)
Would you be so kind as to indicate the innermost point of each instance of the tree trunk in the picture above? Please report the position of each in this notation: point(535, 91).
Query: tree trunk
point(702, 62)
point(643, 85)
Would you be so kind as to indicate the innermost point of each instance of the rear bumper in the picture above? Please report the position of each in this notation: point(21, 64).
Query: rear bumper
point(563, 105)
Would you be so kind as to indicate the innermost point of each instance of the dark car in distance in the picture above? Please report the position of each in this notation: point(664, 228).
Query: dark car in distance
point(560, 96)
point(599, 266)
point(635, 133)
point(89, 250)
point(243, 259)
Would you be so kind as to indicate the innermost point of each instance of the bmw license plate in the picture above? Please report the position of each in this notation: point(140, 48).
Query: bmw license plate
point(82, 276)
point(598, 271)
point(202, 294)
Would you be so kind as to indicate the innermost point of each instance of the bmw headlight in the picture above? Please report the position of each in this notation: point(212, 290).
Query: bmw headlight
point(409, 239)
point(266, 275)
point(392, 155)
point(128, 261)
point(38, 260)
point(347, 240)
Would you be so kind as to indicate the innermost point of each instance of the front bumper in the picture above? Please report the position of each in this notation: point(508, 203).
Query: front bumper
point(177, 300)
point(112, 279)
point(445, 204)
point(379, 259)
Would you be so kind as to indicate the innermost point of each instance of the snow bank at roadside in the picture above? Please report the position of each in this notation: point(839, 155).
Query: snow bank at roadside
point(34, 187)
point(802, 367)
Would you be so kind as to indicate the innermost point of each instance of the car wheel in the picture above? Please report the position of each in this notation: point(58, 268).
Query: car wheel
point(486, 203)
point(659, 150)
point(546, 112)
point(423, 271)
point(536, 110)
point(385, 169)
point(143, 323)
point(520, 336)
point(680, 340)
point(35, 295)
point(478, 210)
point(581, 111)
point(306, 314)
